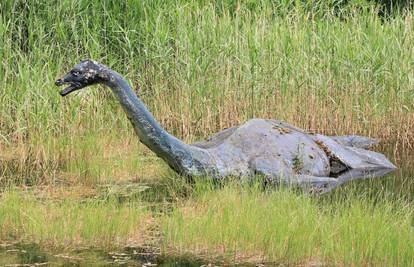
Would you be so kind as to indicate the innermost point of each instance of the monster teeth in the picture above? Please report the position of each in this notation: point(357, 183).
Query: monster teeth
point(66, 91)
point(69, 90)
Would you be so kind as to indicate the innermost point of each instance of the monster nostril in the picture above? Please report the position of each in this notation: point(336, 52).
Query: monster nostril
point(59, 82)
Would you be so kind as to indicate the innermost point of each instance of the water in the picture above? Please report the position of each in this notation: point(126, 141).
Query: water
point(32, 255)
point(399, 184)
point(396, 185)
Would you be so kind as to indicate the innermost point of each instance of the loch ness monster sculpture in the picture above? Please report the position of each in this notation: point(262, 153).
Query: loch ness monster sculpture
point(273, 149)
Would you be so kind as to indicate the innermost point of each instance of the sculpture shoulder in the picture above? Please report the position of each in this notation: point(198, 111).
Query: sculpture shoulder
point(216, 139)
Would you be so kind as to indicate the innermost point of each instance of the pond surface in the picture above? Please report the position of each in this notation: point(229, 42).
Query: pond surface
point(399, 183)
point(31, 255)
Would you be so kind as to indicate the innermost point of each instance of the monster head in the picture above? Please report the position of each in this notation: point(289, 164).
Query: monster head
point(86, 73)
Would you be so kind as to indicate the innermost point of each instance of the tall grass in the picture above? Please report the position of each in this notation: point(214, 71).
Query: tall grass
point(200, 67)
point(244, 224)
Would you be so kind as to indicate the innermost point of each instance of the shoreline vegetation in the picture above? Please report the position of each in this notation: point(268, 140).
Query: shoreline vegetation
point(73, 174)
point(232, 223)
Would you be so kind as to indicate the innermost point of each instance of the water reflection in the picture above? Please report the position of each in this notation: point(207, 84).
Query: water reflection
point(32, 255)
point(398, 185)
point(401, 182)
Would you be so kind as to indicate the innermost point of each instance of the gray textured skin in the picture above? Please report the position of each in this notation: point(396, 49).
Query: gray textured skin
point(280, 152)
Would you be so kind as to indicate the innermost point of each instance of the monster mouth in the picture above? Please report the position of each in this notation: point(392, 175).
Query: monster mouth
point(73, 86)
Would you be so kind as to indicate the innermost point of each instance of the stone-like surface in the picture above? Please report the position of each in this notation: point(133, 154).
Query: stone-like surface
point(274, 149)
point(284, 153)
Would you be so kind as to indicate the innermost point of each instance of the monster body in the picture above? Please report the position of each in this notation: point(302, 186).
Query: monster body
point(276, 150)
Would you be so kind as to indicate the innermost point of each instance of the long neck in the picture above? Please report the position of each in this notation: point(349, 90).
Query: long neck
point(175, 152)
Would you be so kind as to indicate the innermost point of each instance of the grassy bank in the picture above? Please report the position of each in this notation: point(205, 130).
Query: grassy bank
point(68, 223)
point(231, 223)
point(280, 226)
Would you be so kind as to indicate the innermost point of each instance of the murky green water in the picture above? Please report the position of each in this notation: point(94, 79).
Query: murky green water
point(400, 183)
point(32, 255)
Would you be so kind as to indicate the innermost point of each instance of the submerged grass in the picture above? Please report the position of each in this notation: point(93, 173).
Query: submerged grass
point(247, 224)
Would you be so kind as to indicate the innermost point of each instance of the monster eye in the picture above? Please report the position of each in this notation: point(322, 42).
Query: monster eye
point(75, 73)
